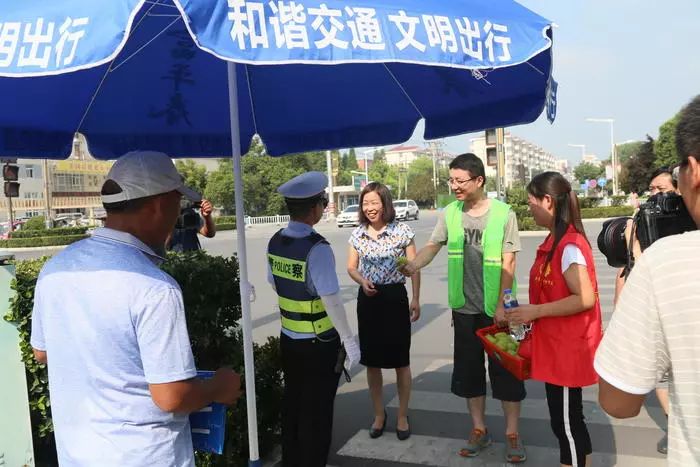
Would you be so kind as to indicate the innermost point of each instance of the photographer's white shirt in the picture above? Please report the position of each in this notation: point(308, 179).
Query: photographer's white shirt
point(655, 329)
point(111, 322)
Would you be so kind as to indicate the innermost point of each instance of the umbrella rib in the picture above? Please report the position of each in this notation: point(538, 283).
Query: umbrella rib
point(535, 68)
point(109, 68)
point(250, 96)
point(146, 44)
point(403, 90)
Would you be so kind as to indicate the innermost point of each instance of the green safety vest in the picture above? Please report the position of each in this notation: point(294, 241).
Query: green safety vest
point(492, 245)
point(301, 311)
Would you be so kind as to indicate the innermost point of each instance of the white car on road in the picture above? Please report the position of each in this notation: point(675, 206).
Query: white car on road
point(349, 216)
point(406, 209)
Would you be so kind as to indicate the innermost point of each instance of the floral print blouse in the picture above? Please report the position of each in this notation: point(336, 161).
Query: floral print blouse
point(378, 258)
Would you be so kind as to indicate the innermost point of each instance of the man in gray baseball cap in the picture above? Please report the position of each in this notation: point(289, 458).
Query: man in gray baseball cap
point(111, 325)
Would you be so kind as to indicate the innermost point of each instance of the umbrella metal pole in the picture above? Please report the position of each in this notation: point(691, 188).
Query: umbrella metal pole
point(244, 285)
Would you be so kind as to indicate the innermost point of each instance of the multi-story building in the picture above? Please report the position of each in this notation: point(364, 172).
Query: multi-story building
point(403, 156)
point(523, 159)
point(74, 186)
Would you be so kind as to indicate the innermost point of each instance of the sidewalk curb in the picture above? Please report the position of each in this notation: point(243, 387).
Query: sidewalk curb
point(33, 248)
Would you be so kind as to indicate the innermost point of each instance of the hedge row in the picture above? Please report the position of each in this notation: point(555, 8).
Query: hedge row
point(40, 241)
point(603, 213)
point(221, 227)
point(58, 232)
point(225, 220)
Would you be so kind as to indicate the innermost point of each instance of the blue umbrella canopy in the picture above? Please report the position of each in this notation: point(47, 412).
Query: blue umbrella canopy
point(136, 74)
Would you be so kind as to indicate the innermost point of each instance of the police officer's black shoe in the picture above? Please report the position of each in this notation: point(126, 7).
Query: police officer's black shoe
point(375, 433)
point(403, 435)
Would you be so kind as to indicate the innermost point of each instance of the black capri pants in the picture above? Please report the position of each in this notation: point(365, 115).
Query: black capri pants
point(568, 424)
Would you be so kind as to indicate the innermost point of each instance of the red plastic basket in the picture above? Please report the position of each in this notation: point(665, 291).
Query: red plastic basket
point(515, 364)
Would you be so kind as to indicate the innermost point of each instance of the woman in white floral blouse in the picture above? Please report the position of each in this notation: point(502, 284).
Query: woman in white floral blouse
point(384, 314)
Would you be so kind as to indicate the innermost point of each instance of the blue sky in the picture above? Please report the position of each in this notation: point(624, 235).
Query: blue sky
point(637, 61)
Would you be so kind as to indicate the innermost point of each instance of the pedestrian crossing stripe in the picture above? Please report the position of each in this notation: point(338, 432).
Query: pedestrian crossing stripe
point(442, 452)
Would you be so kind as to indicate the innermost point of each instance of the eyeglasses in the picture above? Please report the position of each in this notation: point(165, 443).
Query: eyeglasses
point(454, 181)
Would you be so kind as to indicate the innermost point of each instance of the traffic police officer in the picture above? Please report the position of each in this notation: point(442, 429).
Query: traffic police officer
point(301, 268)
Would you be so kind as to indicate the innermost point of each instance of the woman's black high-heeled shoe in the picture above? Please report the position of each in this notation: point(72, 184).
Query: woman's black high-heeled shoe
point(403, 435)
point(375, 433)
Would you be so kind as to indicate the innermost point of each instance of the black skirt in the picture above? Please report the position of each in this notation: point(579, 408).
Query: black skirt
point(384, 324)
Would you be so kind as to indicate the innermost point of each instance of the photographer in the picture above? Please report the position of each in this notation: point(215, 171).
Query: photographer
point(661, 182)
point(189, 224)
point(657, 319)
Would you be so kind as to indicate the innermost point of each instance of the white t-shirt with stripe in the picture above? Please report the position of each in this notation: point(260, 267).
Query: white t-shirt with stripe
point(656, 328)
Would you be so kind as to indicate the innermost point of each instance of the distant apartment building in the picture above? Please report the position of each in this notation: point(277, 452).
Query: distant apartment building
point(523, 159)
point(591, 159)
point(403, 156)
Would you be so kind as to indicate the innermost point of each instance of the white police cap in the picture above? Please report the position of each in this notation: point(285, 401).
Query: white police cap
point(306, 185)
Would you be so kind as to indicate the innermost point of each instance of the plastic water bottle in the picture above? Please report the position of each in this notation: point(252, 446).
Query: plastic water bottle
point(517, 331)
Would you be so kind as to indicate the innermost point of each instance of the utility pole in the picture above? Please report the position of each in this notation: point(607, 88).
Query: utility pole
point(331, 196)
point(47, 194)
point(501, 167)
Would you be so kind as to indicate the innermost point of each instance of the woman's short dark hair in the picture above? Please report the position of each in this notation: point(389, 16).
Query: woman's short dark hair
point(388, 212)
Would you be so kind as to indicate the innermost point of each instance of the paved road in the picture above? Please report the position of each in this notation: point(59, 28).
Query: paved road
point(439, 420)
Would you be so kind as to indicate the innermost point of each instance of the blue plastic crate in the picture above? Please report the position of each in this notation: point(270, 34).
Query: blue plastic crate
point(209, 424)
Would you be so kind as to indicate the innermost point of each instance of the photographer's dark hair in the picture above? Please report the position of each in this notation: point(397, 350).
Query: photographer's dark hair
point(664, 171)
point(388, 212)
point(688, 131)
point(566, 208)
point(471, 163)
point(110, 187)
point(300, 208)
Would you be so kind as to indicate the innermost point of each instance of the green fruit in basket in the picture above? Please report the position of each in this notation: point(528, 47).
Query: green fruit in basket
point(401, 261)
point(512, 352)
point(501, 335)
point(491, 338)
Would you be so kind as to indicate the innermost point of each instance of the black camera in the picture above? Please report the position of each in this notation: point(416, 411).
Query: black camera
point(189, 217)
point(662, 215)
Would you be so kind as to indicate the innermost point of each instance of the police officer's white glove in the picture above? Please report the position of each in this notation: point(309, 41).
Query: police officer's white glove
point(352, 349)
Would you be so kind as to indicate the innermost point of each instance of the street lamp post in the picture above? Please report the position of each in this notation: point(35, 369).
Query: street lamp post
point(613, 153)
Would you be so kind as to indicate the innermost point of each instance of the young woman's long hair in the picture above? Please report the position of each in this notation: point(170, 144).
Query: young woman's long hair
point(566, 208)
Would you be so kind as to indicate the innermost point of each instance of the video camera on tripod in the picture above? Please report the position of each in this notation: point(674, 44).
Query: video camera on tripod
point(662, 215)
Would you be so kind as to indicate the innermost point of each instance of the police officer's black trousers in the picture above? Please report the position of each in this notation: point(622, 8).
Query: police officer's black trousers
point(310, 384)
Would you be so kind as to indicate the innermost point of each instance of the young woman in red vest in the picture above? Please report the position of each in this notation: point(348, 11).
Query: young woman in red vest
point(565, 312)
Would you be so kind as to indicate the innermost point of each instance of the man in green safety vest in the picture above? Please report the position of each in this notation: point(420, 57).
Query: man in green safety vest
point(482, 239)
point(315, 333)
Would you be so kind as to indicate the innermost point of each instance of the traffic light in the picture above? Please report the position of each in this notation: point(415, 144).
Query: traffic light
point(12, 189)
point(10, 173)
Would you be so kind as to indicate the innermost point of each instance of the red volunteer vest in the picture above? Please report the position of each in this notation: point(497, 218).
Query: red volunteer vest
point(563, 347)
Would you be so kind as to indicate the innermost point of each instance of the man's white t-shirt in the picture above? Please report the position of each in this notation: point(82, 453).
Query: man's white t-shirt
point(655, 329)
point(111, 322)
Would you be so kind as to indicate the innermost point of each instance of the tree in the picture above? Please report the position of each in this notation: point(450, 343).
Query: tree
point(420, 181)
point(516, 195)
point(379, 156)
point(665, 146)
point(587, 171)
point(219, 189)
point(383, 173)
point(195, 175)
point(638, 168)
point(351, 163)
point(627, 150)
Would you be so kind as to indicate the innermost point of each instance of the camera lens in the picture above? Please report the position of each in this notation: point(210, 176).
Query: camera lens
point(612, 243)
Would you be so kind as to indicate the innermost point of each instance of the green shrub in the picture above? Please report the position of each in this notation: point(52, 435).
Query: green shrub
point(225, 220)
point(61, 231)
point(516, 195)
point(212, 304)
point(527, 224)
point(588, 202)
point(35, 223)
point(605, 212)
point(521, 212)
point(620, 200)
point(222, 227)
point(40, 241)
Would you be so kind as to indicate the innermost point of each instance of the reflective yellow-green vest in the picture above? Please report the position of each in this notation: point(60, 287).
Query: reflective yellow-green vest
point(492, 245)
point(301, 311)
